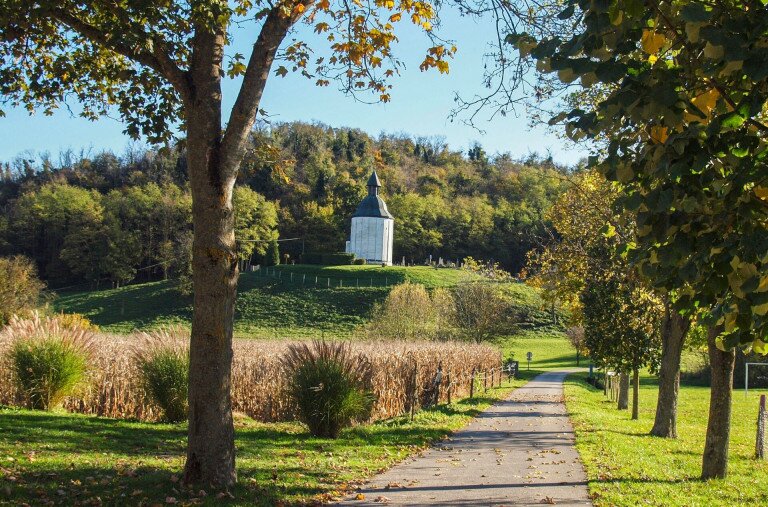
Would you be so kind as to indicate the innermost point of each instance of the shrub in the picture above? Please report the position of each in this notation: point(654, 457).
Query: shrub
point(272, 255)
point(20, 289)
point(162, 361)
point(359, 262)
point(410, 312)
point(312, 258)
point(482, 313)
point(331, 387)
point(48, 360)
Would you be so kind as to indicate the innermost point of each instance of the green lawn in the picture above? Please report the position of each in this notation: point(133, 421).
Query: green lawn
point(66, 458)
point(292, 305)
point(551, 351)
point(627, 467)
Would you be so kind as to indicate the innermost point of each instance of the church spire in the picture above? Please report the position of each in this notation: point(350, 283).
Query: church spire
point(373, 184)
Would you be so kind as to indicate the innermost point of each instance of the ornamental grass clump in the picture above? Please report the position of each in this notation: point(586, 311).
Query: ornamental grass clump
point(162, 362)
point(48, 361)
point(331, 387)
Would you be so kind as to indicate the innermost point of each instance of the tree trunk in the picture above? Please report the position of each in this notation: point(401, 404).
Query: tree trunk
point(577, 357)
point(211, 444)
point(715, 461)
point(623, 391)
point(635, 394)
point(673, 331)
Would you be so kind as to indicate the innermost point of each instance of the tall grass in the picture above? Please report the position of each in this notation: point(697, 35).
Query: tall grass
point(162, 361)
point(48, 360)
point(259, 384)
point(330, 385)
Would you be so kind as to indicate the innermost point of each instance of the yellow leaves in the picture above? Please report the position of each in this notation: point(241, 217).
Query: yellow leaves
point(324, 5)
point(394, 18)
point(652, 41)
point(321, 27)
point(713, 52)
point(761, 192)
point(385, 97)
point(659, 134)
point(298, 9)
point(442, 66)
point(281, 71)
point(704, 102)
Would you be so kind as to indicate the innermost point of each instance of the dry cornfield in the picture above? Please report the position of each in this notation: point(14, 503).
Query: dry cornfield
point(404, 373)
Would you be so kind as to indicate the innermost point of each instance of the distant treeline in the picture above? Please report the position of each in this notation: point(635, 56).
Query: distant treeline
point(107, 218)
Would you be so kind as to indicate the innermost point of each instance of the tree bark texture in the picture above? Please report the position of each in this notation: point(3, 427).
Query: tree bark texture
point(635, 394)
point(211, 435)
point(715, 460)
point(623, 403)
point(673, 331)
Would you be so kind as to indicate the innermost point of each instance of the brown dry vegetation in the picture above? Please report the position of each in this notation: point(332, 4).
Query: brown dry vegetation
point(258, 388)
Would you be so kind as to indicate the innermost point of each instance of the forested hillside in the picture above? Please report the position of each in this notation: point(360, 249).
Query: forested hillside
point(111, 219)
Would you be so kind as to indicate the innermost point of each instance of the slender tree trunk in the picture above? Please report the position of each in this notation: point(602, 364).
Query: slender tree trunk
point(577, 357)
point(623, 391)
point(715, 461)
point(211, 447)
point(636, 394)
point(673, 331)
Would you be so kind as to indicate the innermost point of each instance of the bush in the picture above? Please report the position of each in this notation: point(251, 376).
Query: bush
point(48, 361)
point(410, 313)
point(359, 262)
point(272, 255)
point(162, 362)
point(331, 387)
point(20, 289)
point(312, 258)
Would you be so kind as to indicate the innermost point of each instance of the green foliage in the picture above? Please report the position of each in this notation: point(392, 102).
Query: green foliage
point(481, 312)
point(47, 360)
point(331, 387)
point(163, 369)
point(272, 256)
point(621, 327)
point(359, 262)
point(684, 102)
point(255, 223)
point(338, 259)
point(131, 217)
point(20, 289)
point(410, 312)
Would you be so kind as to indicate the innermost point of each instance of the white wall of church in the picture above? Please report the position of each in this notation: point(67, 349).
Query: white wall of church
point(371, 239)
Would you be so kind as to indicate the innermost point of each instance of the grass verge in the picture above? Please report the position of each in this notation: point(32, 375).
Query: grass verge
point(626, 466)
point(48, 458)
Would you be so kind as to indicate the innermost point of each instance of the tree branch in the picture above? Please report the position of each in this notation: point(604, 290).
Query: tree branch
point(243, 115)
point(158, 59)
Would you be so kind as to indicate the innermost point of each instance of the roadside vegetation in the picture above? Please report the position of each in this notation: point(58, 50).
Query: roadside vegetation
point(627, 466)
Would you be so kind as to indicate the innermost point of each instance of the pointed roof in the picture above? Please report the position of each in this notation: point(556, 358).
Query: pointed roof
point(373, 205)
point(373, 181)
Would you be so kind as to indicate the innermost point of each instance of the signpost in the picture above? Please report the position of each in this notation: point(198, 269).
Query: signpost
point(529, 355)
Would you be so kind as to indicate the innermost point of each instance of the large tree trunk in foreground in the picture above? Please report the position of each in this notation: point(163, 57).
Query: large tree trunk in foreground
point(673, 331)
point(211, 444)
point(636, 394)
point(623, 403)
point(213, 159)
point(715, 461)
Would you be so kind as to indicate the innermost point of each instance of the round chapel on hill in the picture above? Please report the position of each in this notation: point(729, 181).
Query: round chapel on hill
point(372, 227)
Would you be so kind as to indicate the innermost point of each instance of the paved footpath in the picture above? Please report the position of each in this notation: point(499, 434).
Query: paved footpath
point(518, 452)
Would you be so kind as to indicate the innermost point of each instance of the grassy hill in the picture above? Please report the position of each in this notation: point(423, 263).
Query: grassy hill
point(291, 301)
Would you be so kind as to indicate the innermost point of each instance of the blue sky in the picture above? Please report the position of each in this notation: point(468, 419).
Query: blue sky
point(421, 104)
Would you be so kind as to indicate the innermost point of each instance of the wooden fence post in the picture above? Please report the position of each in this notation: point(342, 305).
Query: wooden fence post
point(760, 440)
point(472, 385)
point(448, 379)
point(485, 381)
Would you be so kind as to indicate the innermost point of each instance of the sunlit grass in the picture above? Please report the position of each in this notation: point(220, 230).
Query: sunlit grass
point(626, 466)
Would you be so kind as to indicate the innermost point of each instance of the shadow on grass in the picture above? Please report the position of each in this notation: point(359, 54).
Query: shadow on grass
point(83, 458)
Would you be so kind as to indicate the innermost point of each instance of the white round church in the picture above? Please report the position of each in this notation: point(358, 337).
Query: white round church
point(372, 227)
